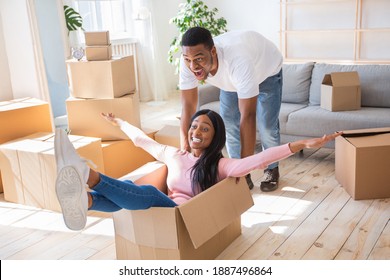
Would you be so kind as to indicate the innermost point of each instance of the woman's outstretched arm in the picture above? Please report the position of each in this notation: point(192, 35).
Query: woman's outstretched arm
point(296, 146)
point(241, 167)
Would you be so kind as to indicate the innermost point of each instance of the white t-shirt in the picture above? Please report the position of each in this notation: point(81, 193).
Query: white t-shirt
point(245, 60)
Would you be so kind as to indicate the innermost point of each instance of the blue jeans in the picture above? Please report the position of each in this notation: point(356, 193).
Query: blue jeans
point(267, 116)
point(111, 195)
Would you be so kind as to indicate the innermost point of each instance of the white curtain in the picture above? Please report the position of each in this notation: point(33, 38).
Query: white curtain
point(151, 78)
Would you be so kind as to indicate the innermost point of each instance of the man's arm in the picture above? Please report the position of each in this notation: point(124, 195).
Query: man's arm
point(247, 109)
point(189, 101)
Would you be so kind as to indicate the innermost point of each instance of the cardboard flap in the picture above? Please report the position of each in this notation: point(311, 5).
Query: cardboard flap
point(345, 78)
point(327, 80)
point(372, 137)
point(212, 210)
point(365, 132)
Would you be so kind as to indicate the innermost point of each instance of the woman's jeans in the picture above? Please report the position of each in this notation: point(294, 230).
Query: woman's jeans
point(267, 116)
point(111, 195)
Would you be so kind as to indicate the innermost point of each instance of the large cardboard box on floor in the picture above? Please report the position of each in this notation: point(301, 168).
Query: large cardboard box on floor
point(340, 91)
point(29, 169)
point(362, 163)
point(101, 79)
point(21, 117)
point(169, 135)
point(84, 116)
point(199, 229)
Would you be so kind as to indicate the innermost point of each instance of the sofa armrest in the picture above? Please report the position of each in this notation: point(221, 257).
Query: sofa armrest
point(206, 94)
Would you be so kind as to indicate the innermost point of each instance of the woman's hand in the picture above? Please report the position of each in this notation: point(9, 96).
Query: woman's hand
point(110, 117)
point(319, 142)
point(313, 142)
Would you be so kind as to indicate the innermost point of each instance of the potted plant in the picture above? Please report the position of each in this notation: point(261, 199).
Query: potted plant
point(74, 23)
point(193, 13)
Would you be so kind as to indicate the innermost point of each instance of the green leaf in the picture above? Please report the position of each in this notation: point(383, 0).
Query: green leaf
point(73, 19)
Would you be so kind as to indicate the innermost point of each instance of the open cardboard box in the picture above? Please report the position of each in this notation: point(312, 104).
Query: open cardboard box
point(199, 229)
point(340, 91)
point(363, 161)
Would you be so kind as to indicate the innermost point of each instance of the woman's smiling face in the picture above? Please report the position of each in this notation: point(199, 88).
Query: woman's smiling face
point(200, 134)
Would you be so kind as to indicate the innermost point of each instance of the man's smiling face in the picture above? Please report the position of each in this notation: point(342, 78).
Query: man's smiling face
point(200, 60)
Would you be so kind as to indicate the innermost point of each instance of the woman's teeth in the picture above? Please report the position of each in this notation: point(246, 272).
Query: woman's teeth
point(196, 140)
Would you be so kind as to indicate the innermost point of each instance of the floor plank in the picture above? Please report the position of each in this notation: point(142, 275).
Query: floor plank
point(381, 250)
point(364, 237)
point(327, 246)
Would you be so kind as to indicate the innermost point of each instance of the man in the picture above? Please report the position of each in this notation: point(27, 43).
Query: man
point(247, 68)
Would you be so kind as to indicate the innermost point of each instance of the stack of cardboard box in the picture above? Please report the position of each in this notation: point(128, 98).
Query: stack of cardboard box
point(98, 46)
point(27, 159)
point(105, 84)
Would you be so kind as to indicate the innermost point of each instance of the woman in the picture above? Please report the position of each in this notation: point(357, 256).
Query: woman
point(189, 173)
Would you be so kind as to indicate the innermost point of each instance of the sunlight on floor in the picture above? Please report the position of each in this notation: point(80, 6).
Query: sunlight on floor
point(26, 217)
point(292, 189)
point(272, 210)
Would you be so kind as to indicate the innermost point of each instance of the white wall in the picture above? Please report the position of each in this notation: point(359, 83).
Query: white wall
point(5, 80)
point(19, 49)
point(258, 15)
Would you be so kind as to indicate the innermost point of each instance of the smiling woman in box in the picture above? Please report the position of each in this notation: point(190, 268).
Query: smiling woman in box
point(80, 188)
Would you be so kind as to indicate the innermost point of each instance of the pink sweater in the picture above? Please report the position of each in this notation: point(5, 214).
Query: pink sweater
point(179, 163)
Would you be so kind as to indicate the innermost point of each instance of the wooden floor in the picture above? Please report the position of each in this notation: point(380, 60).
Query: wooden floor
point(309, 217)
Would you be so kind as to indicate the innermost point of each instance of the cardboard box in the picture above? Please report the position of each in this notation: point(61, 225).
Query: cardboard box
point(97, 53)
point(199, 229)
point(97, 38)
point(121, 157)
point(29, 169)
point(362, 163)
point(21, 117)
point(169, 135)
point(84, 116)
point(101, 79)
point(340, 91)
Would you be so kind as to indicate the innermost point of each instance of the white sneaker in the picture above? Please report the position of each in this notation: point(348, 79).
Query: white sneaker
point(71, 182)
point(66, 155)
point(72, 196)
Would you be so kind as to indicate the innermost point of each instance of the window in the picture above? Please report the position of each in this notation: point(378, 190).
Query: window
point(112, 15)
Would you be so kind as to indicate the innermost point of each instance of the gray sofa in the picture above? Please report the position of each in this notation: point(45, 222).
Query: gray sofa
point(301, 115)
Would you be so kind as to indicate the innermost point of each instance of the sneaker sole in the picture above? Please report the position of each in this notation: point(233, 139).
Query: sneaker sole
point(69, 190)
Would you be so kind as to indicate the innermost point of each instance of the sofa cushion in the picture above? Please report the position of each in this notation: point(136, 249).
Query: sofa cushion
point(285, 110)
point(374, 81)
point(296, 82)
point(313, 121)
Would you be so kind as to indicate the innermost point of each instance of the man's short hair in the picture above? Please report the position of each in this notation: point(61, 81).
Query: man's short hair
point(197, 35)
